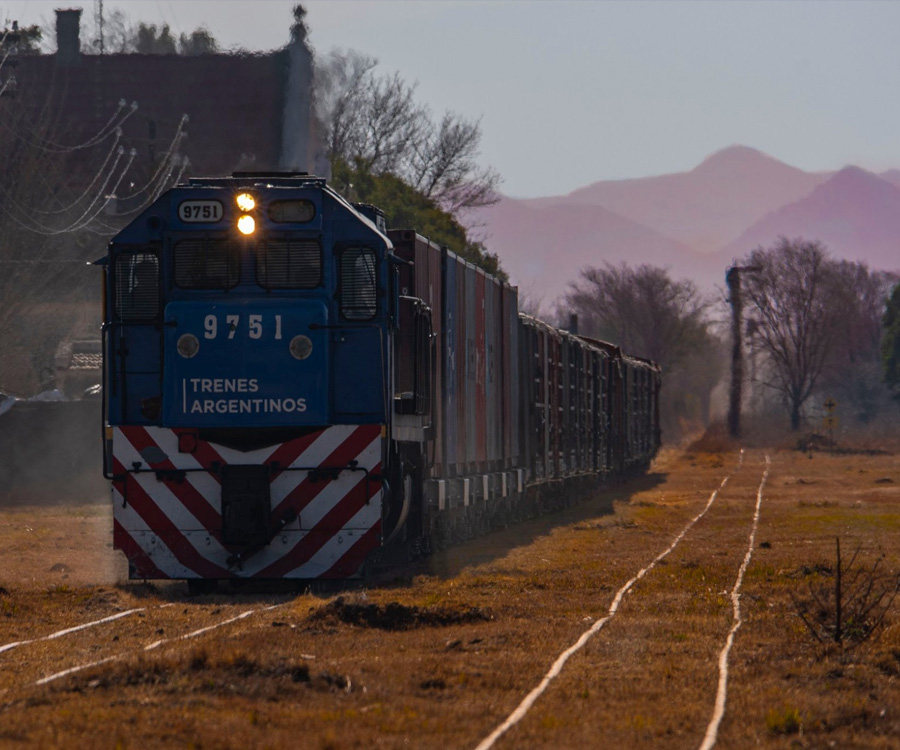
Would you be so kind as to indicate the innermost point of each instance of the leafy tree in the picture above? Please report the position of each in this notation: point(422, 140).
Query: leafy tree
point(151, 40)
point(29, 42)
point(405, 207)
point(199, 42)
point(121, 35)
point(890, 343)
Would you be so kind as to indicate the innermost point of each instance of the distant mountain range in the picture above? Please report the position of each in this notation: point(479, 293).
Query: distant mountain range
point(695, 223)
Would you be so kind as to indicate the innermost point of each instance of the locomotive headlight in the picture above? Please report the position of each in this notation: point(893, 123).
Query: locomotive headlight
point(188, 345)
point(245, 202)
point(301, 347)
point(246, 224)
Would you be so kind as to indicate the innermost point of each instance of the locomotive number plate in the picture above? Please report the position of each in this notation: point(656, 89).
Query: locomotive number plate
point(200, 212)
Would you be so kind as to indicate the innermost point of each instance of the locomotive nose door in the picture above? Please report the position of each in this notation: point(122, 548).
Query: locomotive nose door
point(250, 363)
point(358, 338)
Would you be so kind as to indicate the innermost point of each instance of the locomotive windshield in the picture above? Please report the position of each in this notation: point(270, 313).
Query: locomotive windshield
point(289, 264)
point(207, 264)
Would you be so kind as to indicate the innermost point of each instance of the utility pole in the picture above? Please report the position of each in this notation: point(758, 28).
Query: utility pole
point(9, 60)
point(733, 279)
point(100, 22)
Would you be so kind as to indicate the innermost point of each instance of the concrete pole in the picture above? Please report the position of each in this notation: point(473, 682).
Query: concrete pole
point(733, 279)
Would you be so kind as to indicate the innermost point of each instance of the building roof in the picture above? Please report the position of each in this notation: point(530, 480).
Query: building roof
point(234, 104)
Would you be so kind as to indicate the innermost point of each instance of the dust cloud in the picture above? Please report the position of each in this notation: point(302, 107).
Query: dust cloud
point(55, 510)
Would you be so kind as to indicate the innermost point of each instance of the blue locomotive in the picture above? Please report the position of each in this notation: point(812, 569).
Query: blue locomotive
point(289, 389)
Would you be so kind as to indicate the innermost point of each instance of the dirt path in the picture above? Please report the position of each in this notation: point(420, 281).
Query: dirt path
point(441, 655)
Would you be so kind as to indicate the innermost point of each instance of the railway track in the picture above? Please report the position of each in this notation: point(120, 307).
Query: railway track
point(581, 636)
point(555, 670)
point(45, 659)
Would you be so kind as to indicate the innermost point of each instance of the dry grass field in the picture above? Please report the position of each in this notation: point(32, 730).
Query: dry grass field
point(439, 656)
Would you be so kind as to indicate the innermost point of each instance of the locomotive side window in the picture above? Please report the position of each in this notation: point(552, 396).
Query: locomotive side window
point(358, 284)
point(289, 264)
point(137, 287)
point(207, 264)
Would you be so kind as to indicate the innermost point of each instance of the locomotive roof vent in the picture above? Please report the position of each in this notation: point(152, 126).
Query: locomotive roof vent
point(288, 179)
point(263, 174)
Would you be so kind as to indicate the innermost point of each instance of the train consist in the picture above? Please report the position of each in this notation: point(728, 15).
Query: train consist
point(292, 391)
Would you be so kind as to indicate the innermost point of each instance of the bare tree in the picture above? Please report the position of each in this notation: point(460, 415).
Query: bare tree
point(793, 299)
point(444, 165)
point(391, 124)
point(649, 314)
point(373, 123)
point(640, 308)
point(853, 373)
point(341, 82)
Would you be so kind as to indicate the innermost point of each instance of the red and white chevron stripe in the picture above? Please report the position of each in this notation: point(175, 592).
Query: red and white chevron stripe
point(169, 526)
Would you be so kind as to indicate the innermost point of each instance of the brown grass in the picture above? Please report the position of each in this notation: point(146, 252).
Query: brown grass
point(439, 655)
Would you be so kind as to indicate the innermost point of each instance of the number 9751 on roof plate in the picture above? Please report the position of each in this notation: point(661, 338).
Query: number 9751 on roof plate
point(200, 211)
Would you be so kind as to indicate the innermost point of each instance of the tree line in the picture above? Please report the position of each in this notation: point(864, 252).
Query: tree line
point(816, 326)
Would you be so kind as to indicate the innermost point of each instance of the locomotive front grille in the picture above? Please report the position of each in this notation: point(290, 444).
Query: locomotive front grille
point(246, 507)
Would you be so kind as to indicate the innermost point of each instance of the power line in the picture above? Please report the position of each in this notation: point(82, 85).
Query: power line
point(107, 130)
point(112, 150)
point(43, 229)
point(173, 147)
point(82, 221)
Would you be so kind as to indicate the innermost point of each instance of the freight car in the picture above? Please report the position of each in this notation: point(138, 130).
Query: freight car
point(291, 390)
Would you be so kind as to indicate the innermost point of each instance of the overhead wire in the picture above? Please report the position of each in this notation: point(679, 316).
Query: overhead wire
point(155, 185)
point(82, 221)
point(76, 225)
point(50, 230)
point(77, 200)
point(105, 131)
point(185, 163)
point(173, 147)
point(103, 229)
point(162, 183)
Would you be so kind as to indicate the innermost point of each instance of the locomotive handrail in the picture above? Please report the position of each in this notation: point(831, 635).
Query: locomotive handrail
point(123, 323)
point(341, 327)
point(103, 396)
point(138, 468)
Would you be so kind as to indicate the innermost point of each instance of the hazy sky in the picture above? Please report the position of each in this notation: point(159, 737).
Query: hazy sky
point(573, 92)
